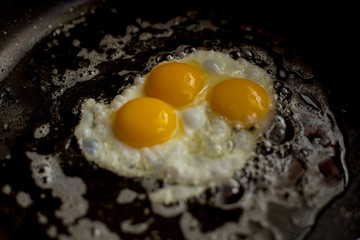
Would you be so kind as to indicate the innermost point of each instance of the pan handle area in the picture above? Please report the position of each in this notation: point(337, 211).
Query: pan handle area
point(25, 26)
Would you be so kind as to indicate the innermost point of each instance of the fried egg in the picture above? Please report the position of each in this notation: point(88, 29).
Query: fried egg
point(190, 122)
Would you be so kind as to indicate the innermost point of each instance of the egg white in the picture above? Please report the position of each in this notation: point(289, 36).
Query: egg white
point(208, 152)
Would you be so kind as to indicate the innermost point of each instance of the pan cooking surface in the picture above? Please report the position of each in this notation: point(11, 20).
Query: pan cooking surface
point(49, 188)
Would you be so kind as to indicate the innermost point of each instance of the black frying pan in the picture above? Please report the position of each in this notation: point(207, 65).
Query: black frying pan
point(25, 106)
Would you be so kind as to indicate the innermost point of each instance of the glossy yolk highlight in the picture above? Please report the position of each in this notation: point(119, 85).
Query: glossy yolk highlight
point(240, 99)
point(175, 83)
point(144, 122)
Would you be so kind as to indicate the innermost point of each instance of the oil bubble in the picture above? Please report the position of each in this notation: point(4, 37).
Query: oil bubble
point(42, 131)
point(43, 169)
point(282, 74)
point(229, 193)
point(277, 132)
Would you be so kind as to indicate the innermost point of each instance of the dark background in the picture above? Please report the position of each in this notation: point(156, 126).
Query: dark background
point(323, 37)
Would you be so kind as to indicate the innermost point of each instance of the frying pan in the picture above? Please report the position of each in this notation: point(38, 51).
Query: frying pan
point(25, 108)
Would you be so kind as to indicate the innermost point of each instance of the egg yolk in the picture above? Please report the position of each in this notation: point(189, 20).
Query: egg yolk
point(240, 99)
point(175, 83)
point(145, 121)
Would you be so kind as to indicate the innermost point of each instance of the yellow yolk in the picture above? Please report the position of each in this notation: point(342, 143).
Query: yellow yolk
point(240, 99)
point(175, 83)
point(144, 122)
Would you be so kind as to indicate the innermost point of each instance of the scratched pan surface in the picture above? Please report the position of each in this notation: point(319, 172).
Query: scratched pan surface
point(57, 54)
